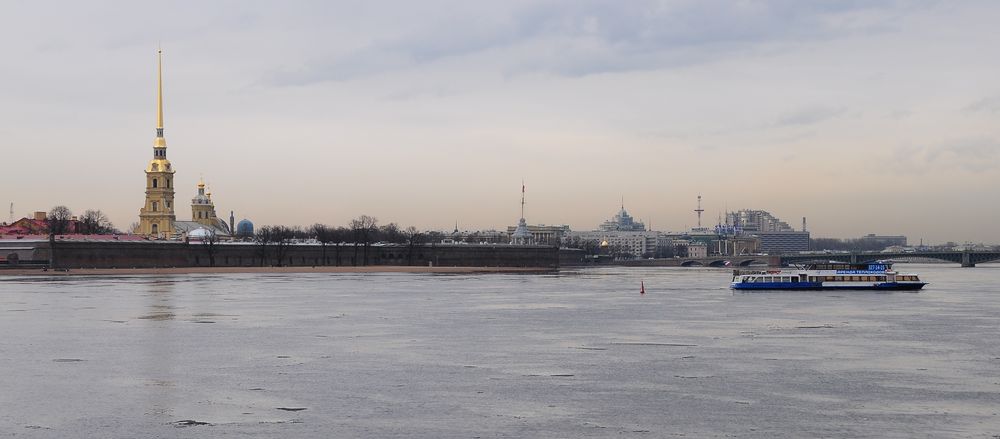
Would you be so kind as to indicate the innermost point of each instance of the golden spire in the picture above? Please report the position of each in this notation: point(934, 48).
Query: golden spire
point(160, 141)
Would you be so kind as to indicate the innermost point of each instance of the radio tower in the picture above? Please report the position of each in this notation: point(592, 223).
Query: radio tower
point(11, 213)
point(699, 210)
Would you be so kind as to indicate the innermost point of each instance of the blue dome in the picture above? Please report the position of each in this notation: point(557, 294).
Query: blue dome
point(244, 227)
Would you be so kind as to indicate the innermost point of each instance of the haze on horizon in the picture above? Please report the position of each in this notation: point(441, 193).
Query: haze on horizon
point(866, 117)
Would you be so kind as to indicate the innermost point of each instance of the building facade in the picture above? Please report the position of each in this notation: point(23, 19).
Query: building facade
point(783, 242)
point(633, 244)
point(542, 234)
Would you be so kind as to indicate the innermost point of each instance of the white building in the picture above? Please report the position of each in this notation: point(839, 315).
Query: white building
point(636, 244)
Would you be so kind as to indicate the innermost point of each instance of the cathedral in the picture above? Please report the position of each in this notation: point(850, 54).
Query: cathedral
point(156, 217)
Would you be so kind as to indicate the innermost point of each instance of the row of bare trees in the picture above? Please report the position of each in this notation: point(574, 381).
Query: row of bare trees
point(91, 222)
point(359, 234)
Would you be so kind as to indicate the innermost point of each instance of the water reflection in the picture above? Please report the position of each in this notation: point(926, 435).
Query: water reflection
point(157, 374)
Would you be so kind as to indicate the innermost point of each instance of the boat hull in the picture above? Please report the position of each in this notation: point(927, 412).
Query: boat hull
point(814, 286)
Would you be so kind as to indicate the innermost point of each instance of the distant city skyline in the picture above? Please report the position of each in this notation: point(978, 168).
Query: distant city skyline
point(873, 117)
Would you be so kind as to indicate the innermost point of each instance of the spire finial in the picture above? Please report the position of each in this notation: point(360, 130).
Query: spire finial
point(159, 92)
point(522, 198)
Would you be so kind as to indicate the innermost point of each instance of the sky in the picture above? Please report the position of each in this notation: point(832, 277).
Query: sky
point(863, 116)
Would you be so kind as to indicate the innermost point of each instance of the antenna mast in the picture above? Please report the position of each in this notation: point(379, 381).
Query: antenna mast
point(699, 210)
point(11, 213)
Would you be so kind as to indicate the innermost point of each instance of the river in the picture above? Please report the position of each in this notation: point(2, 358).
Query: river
point(579, 353)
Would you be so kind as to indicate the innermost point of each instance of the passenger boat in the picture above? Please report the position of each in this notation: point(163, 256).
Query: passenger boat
point(828, 276)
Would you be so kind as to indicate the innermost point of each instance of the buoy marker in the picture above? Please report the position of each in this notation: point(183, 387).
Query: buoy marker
point(642, 287)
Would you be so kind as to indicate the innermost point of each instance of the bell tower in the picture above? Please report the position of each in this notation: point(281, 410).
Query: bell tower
point(156, 217)
point(202, 208)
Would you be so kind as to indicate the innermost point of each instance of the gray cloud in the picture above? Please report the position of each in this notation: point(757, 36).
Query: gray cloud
point(575, 38)
point(989, 104)
point(809, 116)
point(976, 155)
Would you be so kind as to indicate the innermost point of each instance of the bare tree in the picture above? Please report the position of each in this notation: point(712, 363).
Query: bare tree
point(413, 238)
point(282, 237)
point(363, 228)
point(325, 235)
point(210, 244)
point(95, 222)
point(340, 235)
point(391, 233)
point(263, 238)
point(58, 220)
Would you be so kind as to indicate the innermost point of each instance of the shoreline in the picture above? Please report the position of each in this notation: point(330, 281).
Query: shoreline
point(272, 270)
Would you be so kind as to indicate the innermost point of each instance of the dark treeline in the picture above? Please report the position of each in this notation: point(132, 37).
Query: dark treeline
point(342, 245)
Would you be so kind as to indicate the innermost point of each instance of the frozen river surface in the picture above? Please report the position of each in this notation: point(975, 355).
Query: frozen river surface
point(574, 354)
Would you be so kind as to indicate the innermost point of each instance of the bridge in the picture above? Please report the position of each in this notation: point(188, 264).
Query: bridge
point(966, 258)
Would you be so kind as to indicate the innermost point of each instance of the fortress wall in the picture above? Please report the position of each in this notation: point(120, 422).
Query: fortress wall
point(104, 254)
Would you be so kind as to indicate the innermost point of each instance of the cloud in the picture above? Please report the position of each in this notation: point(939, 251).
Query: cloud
point(976, 155)
point(810, 116)
point(989, 104)
point(576, 38)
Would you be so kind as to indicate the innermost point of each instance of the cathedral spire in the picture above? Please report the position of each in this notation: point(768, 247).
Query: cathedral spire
point(160, 141)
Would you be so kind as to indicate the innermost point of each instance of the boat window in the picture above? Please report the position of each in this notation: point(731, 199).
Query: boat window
point(795, 280)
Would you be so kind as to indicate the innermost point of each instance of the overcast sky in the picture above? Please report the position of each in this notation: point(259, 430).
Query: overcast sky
point(864, 116)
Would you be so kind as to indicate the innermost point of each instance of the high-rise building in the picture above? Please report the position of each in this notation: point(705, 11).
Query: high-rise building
point(752, 221)
point(776, 236)
point(156, 217)
point(622, 222)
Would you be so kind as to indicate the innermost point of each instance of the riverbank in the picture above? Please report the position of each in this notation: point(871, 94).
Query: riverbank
point(289, 270)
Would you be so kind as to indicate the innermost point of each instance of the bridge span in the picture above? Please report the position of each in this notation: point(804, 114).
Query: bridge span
point(965, 258)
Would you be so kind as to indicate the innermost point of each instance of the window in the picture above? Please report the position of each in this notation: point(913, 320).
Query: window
point(155, 229)
point(168, 184)
point(155, 180)
point(154, 206)
point(168, 204)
